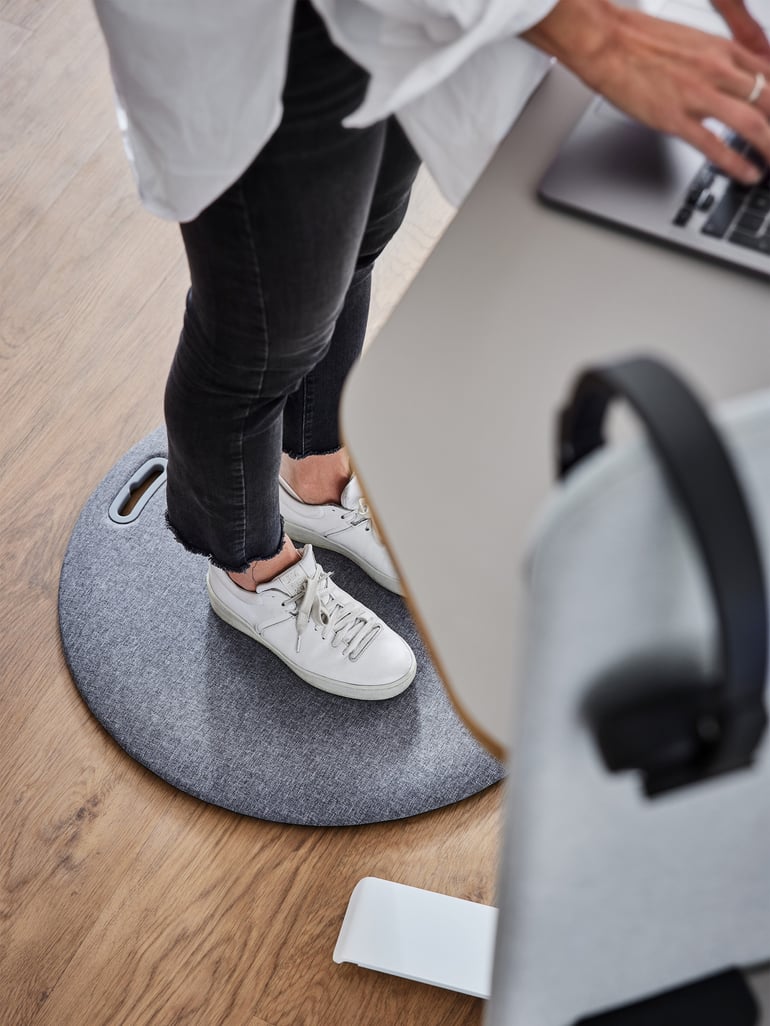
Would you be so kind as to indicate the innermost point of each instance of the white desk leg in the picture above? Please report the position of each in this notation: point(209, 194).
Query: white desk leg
point(420, 935)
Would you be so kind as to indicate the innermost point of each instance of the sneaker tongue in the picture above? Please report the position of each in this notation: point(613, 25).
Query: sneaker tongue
point(291, 581)
point(351, 495)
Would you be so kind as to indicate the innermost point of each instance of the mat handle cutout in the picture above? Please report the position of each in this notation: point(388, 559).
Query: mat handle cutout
point(136, 493)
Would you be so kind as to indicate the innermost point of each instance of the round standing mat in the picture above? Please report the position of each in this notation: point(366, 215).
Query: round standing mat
point(217, 715)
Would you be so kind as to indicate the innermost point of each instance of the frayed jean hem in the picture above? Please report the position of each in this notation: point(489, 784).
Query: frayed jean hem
point(227, 567)
point(295, 455)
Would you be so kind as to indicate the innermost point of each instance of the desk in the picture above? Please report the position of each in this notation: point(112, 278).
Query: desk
point(450, 415)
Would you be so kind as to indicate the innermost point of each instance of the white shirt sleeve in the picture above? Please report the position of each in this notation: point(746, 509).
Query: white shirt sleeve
point(453, 71)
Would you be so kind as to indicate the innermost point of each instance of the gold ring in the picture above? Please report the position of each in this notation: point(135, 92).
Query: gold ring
point(756, 90)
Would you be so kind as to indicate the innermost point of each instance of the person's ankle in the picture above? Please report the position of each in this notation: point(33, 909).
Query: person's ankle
point(263, 570)
point(317, 479)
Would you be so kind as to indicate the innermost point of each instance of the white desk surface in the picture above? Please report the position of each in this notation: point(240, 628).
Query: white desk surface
point(450, 415)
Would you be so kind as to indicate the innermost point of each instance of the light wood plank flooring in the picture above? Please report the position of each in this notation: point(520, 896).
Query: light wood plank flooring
point(121, 900)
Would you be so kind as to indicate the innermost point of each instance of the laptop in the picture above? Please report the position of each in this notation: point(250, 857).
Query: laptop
point(612, 168)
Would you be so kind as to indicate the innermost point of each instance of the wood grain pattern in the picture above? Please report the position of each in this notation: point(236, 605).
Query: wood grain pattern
point(26, 13)
point(122, 901)
point(53, 114)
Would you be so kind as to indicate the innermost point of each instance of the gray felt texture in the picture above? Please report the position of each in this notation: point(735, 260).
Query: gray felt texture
point(218, 716)
point(607, 897)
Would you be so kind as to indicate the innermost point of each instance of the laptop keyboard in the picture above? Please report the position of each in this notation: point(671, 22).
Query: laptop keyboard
point(738, 213)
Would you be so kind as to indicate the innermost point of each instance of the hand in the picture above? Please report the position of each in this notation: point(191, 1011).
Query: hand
point(669, 76)
point(744, 29)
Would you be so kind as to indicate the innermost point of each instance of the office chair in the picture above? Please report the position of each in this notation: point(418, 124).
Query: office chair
point(635, 874)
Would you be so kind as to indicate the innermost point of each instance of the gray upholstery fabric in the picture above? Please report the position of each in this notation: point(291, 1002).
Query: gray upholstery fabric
point(218, 716)
point(607, 897)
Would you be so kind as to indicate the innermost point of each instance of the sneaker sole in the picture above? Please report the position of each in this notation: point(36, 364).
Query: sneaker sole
point(362, 693)
point(304, 536)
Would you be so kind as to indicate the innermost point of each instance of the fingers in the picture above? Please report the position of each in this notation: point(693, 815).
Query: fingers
point(735, 79)
point(743, 27)
point(670, 76)
point(748, 120)
point(751, 86)
point(741, 101)
point(748, 60)
point(723, 81)
point(720, 154)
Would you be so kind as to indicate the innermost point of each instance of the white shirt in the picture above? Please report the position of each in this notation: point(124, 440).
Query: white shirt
point(198, 83)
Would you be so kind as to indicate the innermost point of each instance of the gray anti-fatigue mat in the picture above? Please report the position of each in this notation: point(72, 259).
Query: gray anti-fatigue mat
point(218, 716)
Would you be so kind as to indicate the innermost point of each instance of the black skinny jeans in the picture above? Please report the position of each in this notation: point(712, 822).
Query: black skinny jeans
point(281, 271)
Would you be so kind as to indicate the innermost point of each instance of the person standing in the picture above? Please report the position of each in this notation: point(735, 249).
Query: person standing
point(285, 139)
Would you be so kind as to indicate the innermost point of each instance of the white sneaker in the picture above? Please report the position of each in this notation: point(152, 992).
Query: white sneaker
point(346, 528)
point(326, 637)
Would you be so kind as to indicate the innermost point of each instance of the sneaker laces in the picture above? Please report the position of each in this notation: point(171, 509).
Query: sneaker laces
point(353, 625)
point(361, 514)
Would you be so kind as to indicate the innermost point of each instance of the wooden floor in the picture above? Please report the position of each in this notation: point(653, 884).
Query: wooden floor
point(121, 900)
